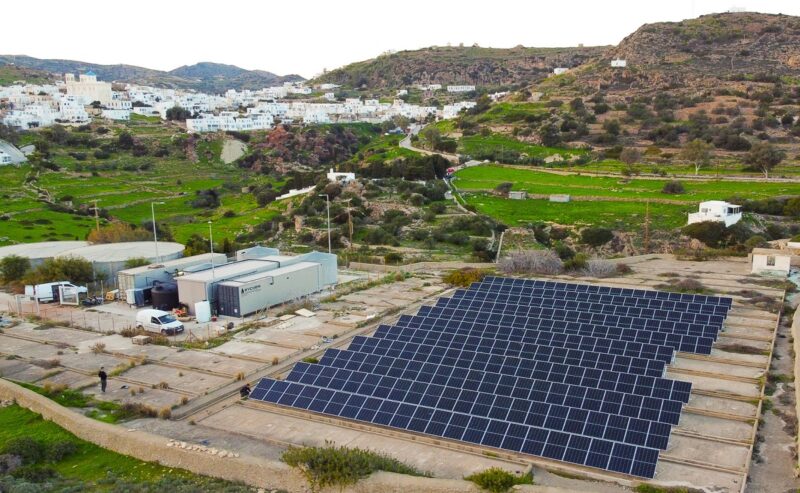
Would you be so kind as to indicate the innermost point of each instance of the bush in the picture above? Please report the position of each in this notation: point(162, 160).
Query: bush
point(576, 263)
point(13, 268)
point(532, 262)
point(600, 268)
point(309, 359)
point(673, 188)
point(756, 241)
point(464, 277)
point(596, 236)
point(393, 258)
point(59, 450)
point(711, 233)
point(340, 466)
point(26, 448)
point(497, 480)
point(34, 474)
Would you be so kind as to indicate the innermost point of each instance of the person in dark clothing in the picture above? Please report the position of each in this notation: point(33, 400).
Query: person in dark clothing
point(245, 391)
point(103, 378)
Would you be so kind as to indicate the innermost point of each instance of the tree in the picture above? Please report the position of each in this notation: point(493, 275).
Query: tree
point(118, 233)
point(13, 268)
point(176, 113)
point(698, 152)
point(630, 156)
point(196, 245)
point(74, 269)
point(763, 157)
point(432, 136)
point(136, 262)
point(125, 141)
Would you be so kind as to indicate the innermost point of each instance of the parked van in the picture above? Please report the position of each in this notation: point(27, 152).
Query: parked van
point(48, 291)
point(158, 321)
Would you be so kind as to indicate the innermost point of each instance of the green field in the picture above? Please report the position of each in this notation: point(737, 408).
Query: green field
point(626, 216)
point(542, 182)
point(92, 468)
point(478, 145)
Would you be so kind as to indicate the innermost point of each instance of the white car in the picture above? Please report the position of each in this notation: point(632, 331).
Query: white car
point(158, 321)
point(48, 291)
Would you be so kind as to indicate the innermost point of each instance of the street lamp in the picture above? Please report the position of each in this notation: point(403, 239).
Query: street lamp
point(328, 208)
point(211, 244)
point(155, 233)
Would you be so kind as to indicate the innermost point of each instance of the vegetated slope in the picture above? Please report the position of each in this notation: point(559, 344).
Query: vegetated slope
point(701, 52)
point(9, 74)
point(459, 65)
point(206, 77)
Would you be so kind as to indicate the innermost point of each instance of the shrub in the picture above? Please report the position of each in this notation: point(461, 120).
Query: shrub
point(29, 450)
point(673, 188)
point(59, 450)
point(497, 480)
point(576, 263)
point(34, 474)
point(711, 233)
point(600, 268)
point(310, 359)
point(596, 236)
point(393, 258)
point(464, 277)
point(623, 269)
point(340, 466)
point(13, 268)
point(164, 413)
point(756, 241)
point(532, 262)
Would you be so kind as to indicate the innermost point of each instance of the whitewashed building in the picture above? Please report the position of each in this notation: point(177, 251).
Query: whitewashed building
point(771, 261)
point(717, 211)
point(88, 89)
point(340, 177)
point(619, 63)
point(116, 114)
point(460, 88)
point(560, 70)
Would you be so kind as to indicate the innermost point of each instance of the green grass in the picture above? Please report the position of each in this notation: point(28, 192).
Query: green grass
point(511, 112)
point(477, 145)
point(497, 480)
point(626, 216)
point(541, 182)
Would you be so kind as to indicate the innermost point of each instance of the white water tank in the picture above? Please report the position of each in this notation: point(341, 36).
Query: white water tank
point(202, 311)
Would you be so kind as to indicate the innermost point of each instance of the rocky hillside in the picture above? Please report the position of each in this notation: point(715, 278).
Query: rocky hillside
point(701, 53)
point(206, 77)
point(459, 65)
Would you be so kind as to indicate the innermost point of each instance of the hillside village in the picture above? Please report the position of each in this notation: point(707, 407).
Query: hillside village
point(456, 268)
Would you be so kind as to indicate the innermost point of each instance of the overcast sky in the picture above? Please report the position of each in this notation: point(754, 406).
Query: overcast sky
point(307, 36)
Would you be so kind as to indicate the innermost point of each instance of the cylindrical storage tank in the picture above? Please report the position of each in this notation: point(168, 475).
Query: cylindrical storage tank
point(165, 296)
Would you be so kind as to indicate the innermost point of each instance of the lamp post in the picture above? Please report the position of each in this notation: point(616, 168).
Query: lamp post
point(328, 208)
point(211, 244)
point(155, 232)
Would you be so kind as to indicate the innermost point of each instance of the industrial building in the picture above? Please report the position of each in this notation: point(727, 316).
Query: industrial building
point(204, 285)
point(257, 251)
point(147, 275)
point(249, 294)
point(106, 258)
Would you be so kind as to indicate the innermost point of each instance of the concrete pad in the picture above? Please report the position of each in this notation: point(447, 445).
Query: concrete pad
point(670, 474)
point(192, 381)
point(27, 373)
point(736, 332)
point(71, 379)
point(54, 334)
point(762, 360)
point(716, 427)
point(255, 350)
point(728, 406)
point(92, 362)
point(290, 430)
point(155, 398)
point(213, 362)
point(762, 323)
point(717, 385)
point(735, 345)
point(28, 349)
point(717, 368)
point(281, 338)
point(328, 330)
point(716, 453)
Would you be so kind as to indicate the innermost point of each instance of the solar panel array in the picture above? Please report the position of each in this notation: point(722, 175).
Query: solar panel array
point(569, 372)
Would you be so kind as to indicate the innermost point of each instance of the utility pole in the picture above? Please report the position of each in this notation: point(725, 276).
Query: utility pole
point(155, 233)
point(328, 208)
point(96, 217)
point(647, 227)
point(211, 244)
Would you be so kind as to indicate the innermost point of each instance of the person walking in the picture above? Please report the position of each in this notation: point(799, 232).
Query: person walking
point(103, 378)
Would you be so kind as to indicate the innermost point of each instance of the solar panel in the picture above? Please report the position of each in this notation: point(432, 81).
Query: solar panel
point(568, 372)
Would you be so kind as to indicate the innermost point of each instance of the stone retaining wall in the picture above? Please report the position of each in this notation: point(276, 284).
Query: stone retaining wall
point(254, 471)
point(418, 266)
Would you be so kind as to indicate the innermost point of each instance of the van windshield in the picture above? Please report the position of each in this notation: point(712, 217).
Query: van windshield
point(165, 319)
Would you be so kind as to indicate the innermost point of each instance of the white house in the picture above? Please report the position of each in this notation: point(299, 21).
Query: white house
point(5, 159)
point(619, 63)
point(117, 114)
point(518, 194)
point(560, 70)
point(460, 88)
point(341, 178)
point(717, 211)
point(771, 261)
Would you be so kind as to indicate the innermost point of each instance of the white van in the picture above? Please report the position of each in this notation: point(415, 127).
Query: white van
point(48, 291)
point(158, 321)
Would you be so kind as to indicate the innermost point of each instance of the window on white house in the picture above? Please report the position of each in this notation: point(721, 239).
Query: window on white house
point(771, 261)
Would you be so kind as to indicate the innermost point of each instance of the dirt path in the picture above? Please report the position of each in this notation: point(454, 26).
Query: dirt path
point(773, 466)
point(232, 150)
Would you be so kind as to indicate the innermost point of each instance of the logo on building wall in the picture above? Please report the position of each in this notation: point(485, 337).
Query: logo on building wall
point(250, 290)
